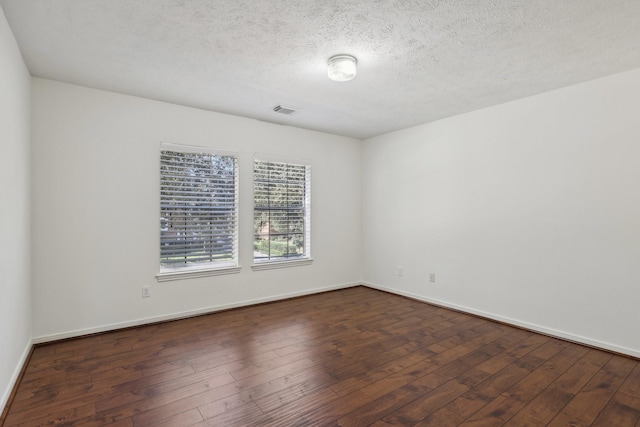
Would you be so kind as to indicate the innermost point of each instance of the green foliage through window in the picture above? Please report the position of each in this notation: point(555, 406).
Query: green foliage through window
point(281, 210)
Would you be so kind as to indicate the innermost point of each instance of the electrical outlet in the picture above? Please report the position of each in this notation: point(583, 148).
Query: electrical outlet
point(400, 270)
point(146, 291)
point(432, 277)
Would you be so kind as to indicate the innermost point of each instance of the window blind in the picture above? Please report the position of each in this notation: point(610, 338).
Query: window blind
point(282, 210)
point(198, 208)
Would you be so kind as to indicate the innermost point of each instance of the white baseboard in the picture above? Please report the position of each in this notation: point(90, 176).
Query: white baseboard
point(15, 376)
point(186, 314)
point(191, 313)
point(525, 325)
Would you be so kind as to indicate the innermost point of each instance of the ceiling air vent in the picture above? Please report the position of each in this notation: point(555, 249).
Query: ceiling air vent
point(284, 110)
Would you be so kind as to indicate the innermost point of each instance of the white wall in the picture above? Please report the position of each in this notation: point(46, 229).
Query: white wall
point(96, 209)
point(527, 212)
point(15, 288)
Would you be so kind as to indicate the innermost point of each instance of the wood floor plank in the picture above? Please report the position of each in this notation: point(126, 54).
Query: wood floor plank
point(621, 411)
point(322, 415)
point(354, 357)
point(631, 384)
point(186, 418)
point(393, 366)
point(543, 408)
point(145, 414)
point(289, 413)
point(443, 417)
point(129, 404)
point(399, 379)
point(379, 408)
point(55, 417)
point(427, 404)
point(245, 415)
point(585, 407)
point(468, 403)
point(497, 412)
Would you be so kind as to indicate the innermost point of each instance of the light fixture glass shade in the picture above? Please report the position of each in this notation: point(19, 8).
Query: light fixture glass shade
point(342, 68)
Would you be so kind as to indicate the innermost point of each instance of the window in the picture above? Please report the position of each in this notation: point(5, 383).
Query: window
point(281, 210)
point(198, 212)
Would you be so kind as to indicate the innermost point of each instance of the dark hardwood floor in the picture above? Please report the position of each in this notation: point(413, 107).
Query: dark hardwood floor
point(354, 357)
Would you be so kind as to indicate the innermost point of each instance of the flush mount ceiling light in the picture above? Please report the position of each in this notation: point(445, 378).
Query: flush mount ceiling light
point(342, 68)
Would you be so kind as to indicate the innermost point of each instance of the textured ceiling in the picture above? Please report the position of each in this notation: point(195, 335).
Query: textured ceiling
point(419, 61)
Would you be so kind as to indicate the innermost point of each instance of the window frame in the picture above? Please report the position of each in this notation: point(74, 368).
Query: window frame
point(294, 261)
point(201, 269)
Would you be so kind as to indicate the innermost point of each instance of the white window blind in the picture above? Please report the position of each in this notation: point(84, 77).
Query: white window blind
point(198, 208)
point(282, 209)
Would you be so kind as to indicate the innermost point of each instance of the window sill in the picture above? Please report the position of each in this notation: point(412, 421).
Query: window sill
point(190, 274)
point(281, 264)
